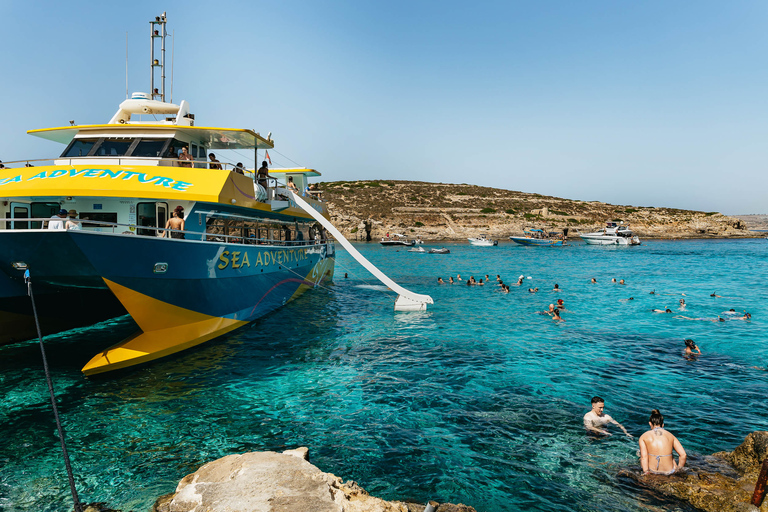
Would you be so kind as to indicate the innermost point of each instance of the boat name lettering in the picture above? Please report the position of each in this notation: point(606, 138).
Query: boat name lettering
point(105, 173)
point(239, 259)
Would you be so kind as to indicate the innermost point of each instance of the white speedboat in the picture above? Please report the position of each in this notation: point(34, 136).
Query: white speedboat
point(614, 233)
point(396, 239)
point(441, 250)
point(483, 241)
point(417, 249)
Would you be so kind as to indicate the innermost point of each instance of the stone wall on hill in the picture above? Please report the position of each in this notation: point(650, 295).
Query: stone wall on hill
point(441, 211)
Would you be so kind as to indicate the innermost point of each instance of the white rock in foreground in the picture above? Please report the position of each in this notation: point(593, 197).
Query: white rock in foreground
point(273, 482)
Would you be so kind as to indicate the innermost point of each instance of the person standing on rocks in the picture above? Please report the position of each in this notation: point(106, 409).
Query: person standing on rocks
point(595, 420)
point(656, 447)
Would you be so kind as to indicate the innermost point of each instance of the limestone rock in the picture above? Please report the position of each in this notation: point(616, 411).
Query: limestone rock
point(723, 482)
point(276, 482)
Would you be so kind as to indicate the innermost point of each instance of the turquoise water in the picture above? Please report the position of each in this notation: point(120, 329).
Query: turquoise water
point(479, 400)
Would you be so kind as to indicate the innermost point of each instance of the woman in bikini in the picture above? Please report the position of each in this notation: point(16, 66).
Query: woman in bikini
point(656, 447)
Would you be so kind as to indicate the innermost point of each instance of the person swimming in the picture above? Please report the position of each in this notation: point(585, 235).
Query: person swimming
point(594, 281)
point(661, 310)
point(690, 346)
point(682, 303)
point(613, 280)
point(625, 300)
point(520, 280)
point(556, 315)
point(556, 288)
point(716, 295)
point(533, 290)
point(560, 304)
point(656, 446)
point(450, 280)
point(621, 281)
point(440, 280)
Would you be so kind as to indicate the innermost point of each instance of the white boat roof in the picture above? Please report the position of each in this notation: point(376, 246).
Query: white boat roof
point(212, 137)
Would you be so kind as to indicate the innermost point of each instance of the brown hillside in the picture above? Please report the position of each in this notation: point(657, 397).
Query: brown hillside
point(441, 211)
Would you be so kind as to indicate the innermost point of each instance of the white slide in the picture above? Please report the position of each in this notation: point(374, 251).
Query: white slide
point(406, 300)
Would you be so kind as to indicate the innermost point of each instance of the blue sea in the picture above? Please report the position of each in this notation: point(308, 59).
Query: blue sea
point(478, 400)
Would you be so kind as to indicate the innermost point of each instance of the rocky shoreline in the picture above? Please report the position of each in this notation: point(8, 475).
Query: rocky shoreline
point(439, 211)
point(278, 482)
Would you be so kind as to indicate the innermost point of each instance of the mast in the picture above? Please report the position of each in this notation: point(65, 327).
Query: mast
point(157, 31)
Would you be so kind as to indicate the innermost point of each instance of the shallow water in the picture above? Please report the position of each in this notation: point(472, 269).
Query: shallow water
point(479, 400)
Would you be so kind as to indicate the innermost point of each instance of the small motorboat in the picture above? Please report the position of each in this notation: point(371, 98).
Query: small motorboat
point(483, 241)
point(614, 233)
point(441, 250)
point(539, 237)
point(417, 249)
point(396, 239)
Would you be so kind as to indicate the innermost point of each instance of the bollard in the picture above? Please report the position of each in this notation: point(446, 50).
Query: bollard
point(759, 494)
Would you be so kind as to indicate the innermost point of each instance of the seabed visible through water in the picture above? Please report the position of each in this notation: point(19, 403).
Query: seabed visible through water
point(479, 400)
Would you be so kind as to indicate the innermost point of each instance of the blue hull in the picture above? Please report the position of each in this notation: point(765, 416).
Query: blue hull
point(522, 240)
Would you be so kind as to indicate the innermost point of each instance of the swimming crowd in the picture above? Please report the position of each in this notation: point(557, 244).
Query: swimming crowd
point(657, 444)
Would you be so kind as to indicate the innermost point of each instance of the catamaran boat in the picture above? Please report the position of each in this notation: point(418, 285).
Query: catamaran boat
point(539, 237)
point(397, 239)
point(614, 233)
point(483, 241)
point(243, 251)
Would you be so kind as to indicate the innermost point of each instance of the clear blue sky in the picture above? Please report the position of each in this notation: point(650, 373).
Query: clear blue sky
point(653, 103)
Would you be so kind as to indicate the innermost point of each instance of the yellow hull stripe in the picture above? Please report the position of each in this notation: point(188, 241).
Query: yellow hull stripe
point(167, 329)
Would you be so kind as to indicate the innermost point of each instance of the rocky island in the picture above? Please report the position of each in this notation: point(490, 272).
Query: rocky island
point(443, 211)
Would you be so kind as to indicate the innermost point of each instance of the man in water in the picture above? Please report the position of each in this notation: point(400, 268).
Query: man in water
point(594, 281)
point(595, 420)
point(439, 280)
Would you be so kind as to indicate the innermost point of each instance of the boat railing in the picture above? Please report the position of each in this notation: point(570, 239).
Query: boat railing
point(124, 160)
point(132, 230)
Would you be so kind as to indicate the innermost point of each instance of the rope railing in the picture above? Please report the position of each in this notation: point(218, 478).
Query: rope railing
point(161, 232)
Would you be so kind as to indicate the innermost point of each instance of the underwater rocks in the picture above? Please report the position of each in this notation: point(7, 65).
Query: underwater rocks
point(722, 482)
point(277, 482)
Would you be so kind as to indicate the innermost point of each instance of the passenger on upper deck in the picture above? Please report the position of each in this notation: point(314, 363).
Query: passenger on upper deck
point(72, 223)
point(292, 185)
point(214, 163)
point(1, 165)
point(185, 158)
point(57, 221)
point(314, 192)
point(263, 174)
point(239, 168)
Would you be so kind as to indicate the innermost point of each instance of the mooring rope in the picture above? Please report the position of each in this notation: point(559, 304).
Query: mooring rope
point(78, 507)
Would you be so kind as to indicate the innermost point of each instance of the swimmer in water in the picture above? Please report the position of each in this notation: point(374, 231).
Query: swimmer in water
point(519, 280)
point(596, 420)
point(661, 310)
point(653, 292)
point(450, 280)
point(556, 315)
point(498, 278)
point(481, 283)
point(690, 346)
point(549, 312)
point(717, 319)
point(613, 280)
point(560, 304)
point(716, 295)
point(556, 288)
point(594, 281)
point(622, 281)
point(458, 277)
point(440, 280)
point(625, 300)
point(533, 290)
point(682, 303)
point(504, 288)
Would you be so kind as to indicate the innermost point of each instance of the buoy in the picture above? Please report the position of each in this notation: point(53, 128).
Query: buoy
point(759, 494)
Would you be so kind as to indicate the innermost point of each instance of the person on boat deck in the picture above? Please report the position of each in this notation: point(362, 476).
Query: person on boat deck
point(57, 221)
point(262, 175)
point(656, 447)
point(175, 222)
point(239, 168)
point(595, 420)
point(215, 164)
point(292, 185)
point(72, 222)
point(185, 158)
point(1, 165)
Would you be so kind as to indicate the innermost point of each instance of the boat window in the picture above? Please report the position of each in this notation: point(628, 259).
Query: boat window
point(19, 212)
point(149, 147)
point(79, 147)
point(146, 216)
point(98, 217)
point(113, 147)
point(43, 211)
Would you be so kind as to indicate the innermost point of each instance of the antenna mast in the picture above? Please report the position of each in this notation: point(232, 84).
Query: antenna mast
point(157, 30)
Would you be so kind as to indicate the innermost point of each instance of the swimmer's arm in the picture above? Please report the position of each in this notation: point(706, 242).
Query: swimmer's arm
point(590, 426)
point(680, 453)
point(621, 427)
point(643, 456)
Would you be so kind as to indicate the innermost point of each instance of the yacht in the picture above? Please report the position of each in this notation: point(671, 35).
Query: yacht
point(614, 233)
point(397, 239)
point(539, 237)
